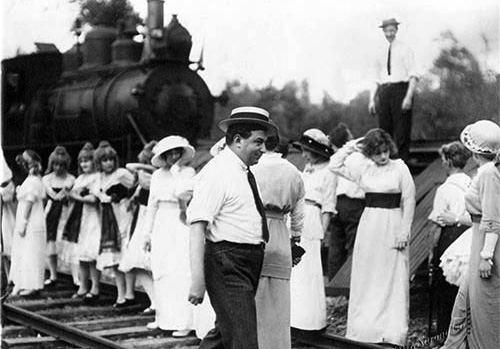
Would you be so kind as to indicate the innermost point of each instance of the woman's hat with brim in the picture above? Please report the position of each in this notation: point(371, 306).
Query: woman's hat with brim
point(388, 22)
point(315, 141)
point(169, 143)
point(249, 115)
point(482, 137)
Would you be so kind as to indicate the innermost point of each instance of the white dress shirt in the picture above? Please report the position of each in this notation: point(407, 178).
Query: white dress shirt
point(222, 197)
point(349, 188)
point(451, 196)
point(402, 63)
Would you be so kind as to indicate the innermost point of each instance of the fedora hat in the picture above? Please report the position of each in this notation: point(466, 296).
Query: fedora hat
point(390, 21)
point(482, 137)
point(169, 143)
point(315, 141)
point(254, 115)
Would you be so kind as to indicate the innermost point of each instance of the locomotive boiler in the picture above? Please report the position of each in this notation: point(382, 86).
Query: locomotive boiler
point(109, 88)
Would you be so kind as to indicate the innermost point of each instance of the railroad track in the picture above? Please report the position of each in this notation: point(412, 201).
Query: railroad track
point(55, 320)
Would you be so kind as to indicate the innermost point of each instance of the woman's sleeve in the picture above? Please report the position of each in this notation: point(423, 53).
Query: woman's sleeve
point(407, 201)
point(185, 189)
point(489, 191)
point(338, 163)
point(297, 211)
point(329, 199)
point(48, 189)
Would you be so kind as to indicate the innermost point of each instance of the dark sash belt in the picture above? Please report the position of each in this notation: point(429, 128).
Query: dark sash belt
point(383, 200)
point(476, 218)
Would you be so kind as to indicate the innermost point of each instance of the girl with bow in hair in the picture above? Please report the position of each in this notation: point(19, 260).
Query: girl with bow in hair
point(28, 242)
point(83, 225)
point(135, 258)
point(58, 182)
point(111, 189)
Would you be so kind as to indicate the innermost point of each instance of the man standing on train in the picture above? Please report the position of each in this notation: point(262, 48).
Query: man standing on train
point(391, 97)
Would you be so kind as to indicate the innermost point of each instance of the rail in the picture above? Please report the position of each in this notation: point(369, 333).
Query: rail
point(327, 341)
point(57, 330)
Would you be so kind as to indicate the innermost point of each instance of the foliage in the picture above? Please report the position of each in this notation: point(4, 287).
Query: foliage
point(454, 93)
point(107, 12)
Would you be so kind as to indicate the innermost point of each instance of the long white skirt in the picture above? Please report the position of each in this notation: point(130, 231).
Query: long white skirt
point(379, 294)
point(307, 286)
point(28, 256)
point(134, 255)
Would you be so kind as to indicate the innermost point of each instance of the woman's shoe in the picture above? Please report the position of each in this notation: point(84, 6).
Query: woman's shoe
point(78, 295)
point(148, 311)
point(181, 333)
point(90, 299)
point(29, 293)
point(49, 283)
point(152, 325)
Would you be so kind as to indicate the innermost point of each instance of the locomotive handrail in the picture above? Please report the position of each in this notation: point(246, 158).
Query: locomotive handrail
point(57, 330)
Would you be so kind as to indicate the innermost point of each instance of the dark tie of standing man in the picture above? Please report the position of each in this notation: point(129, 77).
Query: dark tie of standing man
point(258, 203)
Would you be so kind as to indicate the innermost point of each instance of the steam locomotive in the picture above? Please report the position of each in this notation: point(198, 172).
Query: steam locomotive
point(110, 87)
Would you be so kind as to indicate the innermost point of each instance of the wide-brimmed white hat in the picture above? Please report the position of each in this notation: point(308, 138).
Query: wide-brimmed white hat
point(169, 143)
point(252, 115)
point(482, 137)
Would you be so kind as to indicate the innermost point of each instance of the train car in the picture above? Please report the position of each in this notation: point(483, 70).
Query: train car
point(109, 88)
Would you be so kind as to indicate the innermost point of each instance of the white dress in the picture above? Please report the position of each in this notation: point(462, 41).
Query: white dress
point(58, 246)
point(307, 286)
point(112, 257)
point(379, 291)
point(28, 252)
point(8, 207)
point(170, 261)
point(134, 255)
point(89, 238)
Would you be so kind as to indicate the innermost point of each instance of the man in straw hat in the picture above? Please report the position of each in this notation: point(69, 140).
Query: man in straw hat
point(227, 258)
point(391, 97)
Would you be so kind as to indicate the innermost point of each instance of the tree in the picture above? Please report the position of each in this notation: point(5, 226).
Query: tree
point(107, 12)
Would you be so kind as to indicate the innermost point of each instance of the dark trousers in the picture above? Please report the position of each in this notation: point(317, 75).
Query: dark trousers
point(232, 274)
point(343, 229)
point(444, 292)
point(392, 118)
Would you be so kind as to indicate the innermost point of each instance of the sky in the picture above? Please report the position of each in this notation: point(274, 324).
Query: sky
point(327, 42)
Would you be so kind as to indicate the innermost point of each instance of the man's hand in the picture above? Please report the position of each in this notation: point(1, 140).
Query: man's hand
point(371, 108)
point(406, 105)
point(196, 292)
point(401, 244)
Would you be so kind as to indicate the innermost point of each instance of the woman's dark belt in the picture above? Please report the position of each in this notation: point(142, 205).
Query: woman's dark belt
point(312, 202)
point(383, 200)
point(476, 218)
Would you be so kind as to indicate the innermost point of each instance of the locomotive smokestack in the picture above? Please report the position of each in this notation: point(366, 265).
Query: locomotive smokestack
point(155, 31)
point(155, 18)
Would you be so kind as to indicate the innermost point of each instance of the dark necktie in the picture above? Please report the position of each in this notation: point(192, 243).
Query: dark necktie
point(389, 60)
point(258, 203)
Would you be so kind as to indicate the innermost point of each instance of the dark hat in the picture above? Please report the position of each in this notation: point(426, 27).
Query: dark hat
point(315, 141)
point(254, 115)
point(390, 21)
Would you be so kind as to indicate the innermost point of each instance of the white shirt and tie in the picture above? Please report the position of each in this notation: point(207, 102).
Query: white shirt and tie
point(397, 59)
point(223, 197)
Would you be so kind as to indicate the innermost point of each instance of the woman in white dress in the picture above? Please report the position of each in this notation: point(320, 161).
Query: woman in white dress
point(379, 292)
point(8, 206)
point(171, 187)
point(28, 243)
point(58, 183)
point(112, 189)
point(449, 213)
point(135, 258)
point(83, 226)
point(307, 287)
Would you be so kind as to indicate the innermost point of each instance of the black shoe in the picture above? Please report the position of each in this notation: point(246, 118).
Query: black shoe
point(125, 304)
point(78, 295)
point(49, 283)
point(90, 299)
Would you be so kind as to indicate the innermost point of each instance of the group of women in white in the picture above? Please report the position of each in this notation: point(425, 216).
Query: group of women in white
point(130, 221)
point(143, 236)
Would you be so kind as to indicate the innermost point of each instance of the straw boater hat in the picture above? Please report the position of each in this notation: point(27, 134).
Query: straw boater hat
point(252, 115)
point(169, 143)
point(315, 141)
point(482, 137)
point(387, 22)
